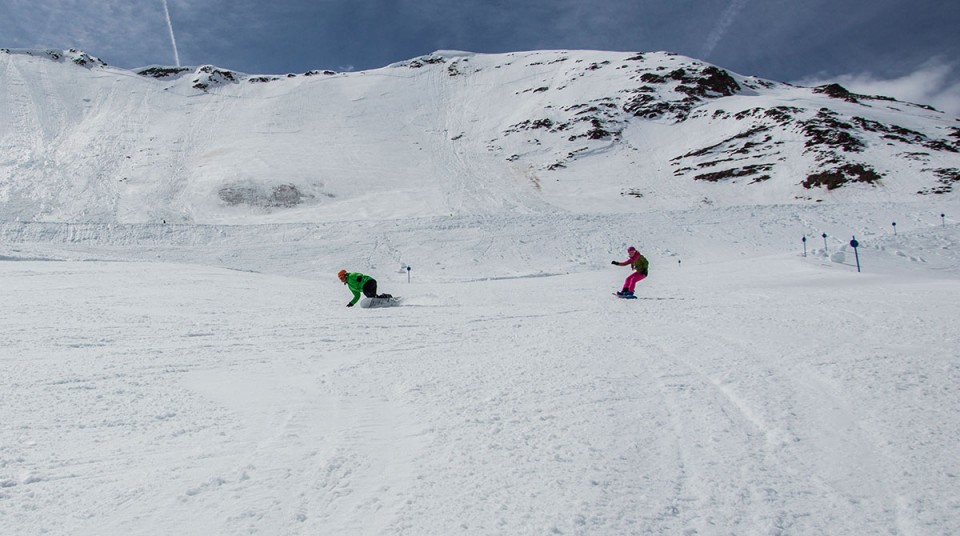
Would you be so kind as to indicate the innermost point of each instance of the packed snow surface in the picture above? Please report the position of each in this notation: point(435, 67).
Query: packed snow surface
point(746, 392)
point(170, 365)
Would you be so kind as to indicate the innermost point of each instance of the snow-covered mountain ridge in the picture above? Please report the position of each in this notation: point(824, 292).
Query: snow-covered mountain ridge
point(447, 133)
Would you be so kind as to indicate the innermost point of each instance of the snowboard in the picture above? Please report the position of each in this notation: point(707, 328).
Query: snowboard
point(372, 303)
point(624, 297)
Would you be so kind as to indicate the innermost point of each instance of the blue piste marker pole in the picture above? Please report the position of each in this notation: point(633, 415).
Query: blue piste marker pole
point(804, 245)
point(408, 274)
point(824, 241)
point(894, 227)
point(854, 244)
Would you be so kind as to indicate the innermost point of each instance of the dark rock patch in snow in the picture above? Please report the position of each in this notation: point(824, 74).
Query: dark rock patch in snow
point(779, 114)
point(209, 76)
point(734, 142)
point(162, 72)
point(947, 178)
point(836, 91)
point(732, 173)
point(826, 130)
point(280, 196)
point(903, 135)
point(425, 60)
point(711, 81)
point(955, 134)
point(696, 83)
point(841, 175)
point(75, 56)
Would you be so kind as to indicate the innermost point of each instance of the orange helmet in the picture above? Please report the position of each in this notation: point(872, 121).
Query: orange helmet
point(342, 275)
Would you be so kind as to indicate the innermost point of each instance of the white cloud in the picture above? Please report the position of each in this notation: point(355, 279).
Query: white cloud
point(936, 83)
point(726, 20)
point(173, 39)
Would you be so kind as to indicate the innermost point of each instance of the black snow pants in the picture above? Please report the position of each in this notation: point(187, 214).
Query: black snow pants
point(370, 288)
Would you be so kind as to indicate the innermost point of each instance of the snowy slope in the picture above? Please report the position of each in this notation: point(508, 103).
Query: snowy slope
point(767, 395)
point(449, 133)
point(176, 357)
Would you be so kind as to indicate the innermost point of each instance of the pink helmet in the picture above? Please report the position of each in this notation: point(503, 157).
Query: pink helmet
point(631, 250)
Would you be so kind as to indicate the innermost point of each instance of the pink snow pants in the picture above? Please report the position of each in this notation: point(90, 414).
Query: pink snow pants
point(632, 280)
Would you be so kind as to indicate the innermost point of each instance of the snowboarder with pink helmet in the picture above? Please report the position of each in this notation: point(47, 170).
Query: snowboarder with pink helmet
point(640, 266)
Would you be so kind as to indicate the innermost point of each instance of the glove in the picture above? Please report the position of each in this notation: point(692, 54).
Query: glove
point(349, 305)
point(613, 262)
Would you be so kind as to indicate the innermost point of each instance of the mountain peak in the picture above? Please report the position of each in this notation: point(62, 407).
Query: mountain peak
point(77, 57)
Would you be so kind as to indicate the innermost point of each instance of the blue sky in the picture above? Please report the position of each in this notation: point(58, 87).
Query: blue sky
point(906, 46)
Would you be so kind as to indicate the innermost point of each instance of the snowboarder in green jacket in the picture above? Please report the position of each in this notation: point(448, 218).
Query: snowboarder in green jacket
point(358, 283)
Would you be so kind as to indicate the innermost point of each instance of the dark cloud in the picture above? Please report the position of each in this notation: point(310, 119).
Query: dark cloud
point(789, 40)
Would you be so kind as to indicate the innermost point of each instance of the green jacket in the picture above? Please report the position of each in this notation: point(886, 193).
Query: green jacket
point(641, 264)
point(638, 262)
point(355, 282)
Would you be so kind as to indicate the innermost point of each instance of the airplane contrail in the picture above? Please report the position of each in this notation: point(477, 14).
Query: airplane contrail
point(728, 17)
point(173, 40)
